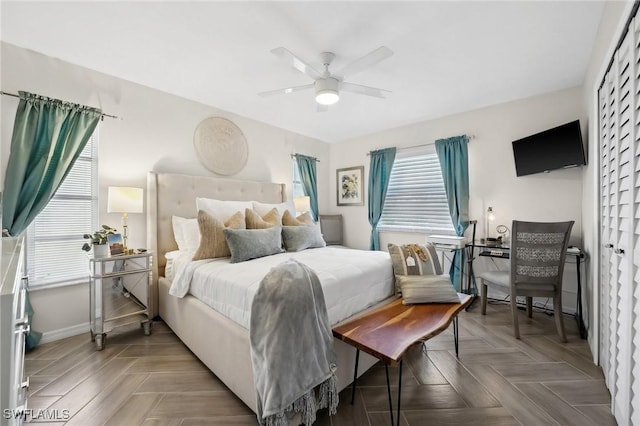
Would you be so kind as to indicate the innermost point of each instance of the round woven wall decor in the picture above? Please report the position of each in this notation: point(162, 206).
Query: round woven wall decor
point(221, 146)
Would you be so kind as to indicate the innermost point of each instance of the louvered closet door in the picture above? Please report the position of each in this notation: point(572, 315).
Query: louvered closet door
point(620, 228)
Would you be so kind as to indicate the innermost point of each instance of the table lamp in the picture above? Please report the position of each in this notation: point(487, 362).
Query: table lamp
point(302, 204)
point(489, 217)
point(125, 200)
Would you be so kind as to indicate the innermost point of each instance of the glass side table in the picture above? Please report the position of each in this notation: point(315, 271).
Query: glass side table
point(118, 293)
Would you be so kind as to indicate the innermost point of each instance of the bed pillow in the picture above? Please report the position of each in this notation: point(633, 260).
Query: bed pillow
point(298, 238)
point(246, 244)
point(256, 221)
point(413, 259)
point(222, 209)
point(264, 208)
point(186, 233)
point(212, 241)
point(427, 289)
point(289, 219)
point(170, 256)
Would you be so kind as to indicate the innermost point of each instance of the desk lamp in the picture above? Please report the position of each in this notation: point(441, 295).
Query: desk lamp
point(489, 217)
point(125, 200)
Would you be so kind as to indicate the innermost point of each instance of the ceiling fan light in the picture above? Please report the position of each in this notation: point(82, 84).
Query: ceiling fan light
point(327, 97)
point(327, 91)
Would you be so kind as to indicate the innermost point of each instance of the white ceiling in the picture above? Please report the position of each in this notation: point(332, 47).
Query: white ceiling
point(449, 56)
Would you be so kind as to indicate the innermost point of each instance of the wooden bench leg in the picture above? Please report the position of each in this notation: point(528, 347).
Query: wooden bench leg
point(355, 377)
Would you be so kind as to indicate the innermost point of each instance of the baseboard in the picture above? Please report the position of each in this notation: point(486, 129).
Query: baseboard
point(63, 333)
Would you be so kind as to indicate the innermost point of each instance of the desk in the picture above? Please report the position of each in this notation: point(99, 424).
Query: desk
point(503, 252)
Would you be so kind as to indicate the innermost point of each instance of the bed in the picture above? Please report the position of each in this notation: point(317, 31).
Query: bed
point(218, 341)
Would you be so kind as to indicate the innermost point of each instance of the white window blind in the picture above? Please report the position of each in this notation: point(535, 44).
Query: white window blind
point(55, 237)
point(416, 199)
point(298, 191)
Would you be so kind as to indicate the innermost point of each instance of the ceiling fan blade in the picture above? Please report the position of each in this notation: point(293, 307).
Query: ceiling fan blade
point(287, 90)
point(366, 61)
point(296, 62)
point(364, 90)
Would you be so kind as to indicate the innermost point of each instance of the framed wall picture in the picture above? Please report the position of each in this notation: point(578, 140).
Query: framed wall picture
point(350, 186)
point(116, 245)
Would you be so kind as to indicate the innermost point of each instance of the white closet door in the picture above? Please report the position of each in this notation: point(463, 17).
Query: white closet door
point(607, 137)
point(620, 214)
point(634, 237)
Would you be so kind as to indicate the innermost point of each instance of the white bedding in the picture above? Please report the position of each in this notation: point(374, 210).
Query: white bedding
point(352, 280)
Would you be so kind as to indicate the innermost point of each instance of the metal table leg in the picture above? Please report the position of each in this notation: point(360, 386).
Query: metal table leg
point(399, 392)
point(355, 377)
point(581, 326)
point(455, 334)
point(386, 370)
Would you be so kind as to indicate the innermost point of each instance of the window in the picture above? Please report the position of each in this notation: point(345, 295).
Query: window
point(297, 181)
point(416, 199)
point(54, 238)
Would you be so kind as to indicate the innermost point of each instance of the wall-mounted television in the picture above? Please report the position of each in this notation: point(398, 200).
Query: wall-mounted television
point(557, 148)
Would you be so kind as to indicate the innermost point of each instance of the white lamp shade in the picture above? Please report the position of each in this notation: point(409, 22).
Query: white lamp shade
point(302, 204)
point(124, 199)
point(327, 97)
point(490, 214)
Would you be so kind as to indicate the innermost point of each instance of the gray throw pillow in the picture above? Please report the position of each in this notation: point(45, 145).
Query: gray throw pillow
point(298, 238)
point(427, 289)
point(246, 244)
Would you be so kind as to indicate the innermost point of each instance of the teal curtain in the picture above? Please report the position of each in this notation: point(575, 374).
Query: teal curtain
point(308, 177)
point(454, 162)
point(381, 162)
point(48, 136)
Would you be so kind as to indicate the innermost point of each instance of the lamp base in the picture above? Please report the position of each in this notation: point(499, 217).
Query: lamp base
point(125, 231)
point(493, 242)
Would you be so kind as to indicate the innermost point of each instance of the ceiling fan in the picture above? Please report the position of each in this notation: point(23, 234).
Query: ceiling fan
point(327, 85)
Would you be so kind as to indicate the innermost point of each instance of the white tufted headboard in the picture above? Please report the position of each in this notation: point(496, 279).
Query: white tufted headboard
point(171, 194)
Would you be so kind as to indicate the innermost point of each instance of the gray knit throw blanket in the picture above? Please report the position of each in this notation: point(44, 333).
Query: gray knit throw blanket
point(292, 347)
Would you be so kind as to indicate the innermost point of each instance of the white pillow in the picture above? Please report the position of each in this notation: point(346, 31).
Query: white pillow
point(222, 210)
point(263, 208)
point(168, 267)
point(186, 233)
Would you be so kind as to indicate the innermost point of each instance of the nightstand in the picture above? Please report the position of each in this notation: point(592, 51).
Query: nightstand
point(118, 293)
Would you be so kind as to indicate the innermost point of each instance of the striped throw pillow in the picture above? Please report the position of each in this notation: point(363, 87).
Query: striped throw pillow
point(414, 259)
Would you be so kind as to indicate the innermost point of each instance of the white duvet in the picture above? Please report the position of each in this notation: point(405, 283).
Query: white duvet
point(352, 280)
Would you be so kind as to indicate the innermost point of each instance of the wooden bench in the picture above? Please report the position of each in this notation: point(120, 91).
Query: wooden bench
point(390, 330)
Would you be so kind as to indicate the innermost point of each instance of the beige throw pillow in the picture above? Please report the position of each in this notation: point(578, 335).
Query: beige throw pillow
point(269, 220)
point(427, 289)
point(289, 220)
point(212, 241)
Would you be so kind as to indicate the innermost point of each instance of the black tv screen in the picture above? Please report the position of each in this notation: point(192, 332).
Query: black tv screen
point(557, 148)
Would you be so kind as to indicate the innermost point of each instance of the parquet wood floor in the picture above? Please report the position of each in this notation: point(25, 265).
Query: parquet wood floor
point(497, 380)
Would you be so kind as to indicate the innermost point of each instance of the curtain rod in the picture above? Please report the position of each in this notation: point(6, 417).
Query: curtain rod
point(102, 114)
point(423, 144)
point(295, 155)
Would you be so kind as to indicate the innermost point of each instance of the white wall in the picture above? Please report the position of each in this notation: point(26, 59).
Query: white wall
point(493, 182)
point(553, 196)
point(155, 132)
